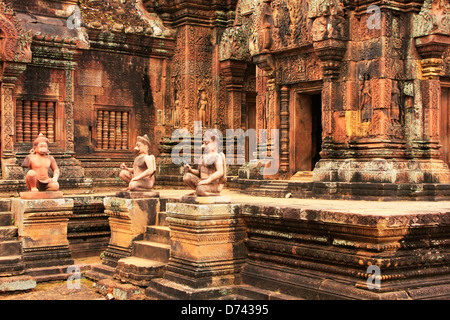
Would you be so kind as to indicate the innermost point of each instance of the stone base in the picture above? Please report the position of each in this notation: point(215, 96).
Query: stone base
point(205, 200)
point(18, 283)
point(139, 271)
point(128, 219)
point(137, 194)
point(207, 245)
point(36, 195)
point(168, 290)
point(322, 253)
point(42, 229)
point(382, 171)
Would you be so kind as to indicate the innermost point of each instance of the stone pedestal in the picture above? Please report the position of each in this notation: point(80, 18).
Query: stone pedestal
point(42, 229)
point(137, 194)
point(127, 219)
point(207, 250)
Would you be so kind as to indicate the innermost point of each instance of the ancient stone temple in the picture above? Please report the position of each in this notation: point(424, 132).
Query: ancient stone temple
point(357, 93)
point(314, 99)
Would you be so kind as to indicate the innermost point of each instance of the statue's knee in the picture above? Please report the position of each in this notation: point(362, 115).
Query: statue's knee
point(187, 177)
point(54, 186)
point(31, 174)
point(123, 174)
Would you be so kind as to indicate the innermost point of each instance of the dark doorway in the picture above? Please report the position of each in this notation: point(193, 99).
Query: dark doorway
point(307, 132)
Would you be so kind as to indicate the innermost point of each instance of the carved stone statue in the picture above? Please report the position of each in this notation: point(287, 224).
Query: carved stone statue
point(395, 104)
point(142, 176)
point(210, 177)
point(39, 161)
point(176, 111)
point(203, 109)
point(366, 100)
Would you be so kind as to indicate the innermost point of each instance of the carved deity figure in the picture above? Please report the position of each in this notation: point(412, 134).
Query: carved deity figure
point(142, 176)
point(395, 104)
point(266, 25)
point(176, 111)
point(203, 109)
point(39, 161)
point(210, 177)
point(366, 100)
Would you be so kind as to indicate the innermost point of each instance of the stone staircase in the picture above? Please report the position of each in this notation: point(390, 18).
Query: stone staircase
point(12, 265)
point(271, 188)
point(149, 256)
point(302, 176)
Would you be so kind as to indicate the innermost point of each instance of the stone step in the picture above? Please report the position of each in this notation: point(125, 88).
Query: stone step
point(158, 234)
point(162, 219)
point(161, 288)
point(11, 265)
point(305, 176)
point(99, 271)
point(45, 274)
point(151, 250)
point(6, 218)
point(5, 205)
point(17, 283)
point(255, 293)
point(10, 248)
point(7, 233)
point(139, 271)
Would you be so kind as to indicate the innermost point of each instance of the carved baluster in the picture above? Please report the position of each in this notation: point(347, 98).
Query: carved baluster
point(27, 121)
point(34, 119)
point(124, 130)
point(51, 121)
point(112, 130)
point(118, 145)
point(43, 118)
point(99, 129)
point(105, 129)
point(19, 121)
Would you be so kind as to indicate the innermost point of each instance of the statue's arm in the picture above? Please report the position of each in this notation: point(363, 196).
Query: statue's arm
point(55, 169)
point(26, 163)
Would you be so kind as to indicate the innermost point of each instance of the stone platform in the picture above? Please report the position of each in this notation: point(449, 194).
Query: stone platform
point(308, 249)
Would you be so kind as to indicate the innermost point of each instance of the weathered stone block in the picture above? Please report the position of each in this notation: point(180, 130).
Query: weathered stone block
point(128, 219)
point(207, 244)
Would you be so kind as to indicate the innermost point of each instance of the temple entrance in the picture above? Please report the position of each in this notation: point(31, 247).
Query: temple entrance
point(445, 123)
point(306, 132)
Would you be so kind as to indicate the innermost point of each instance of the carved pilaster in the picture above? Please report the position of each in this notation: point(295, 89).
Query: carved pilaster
point(284, 129)
point(234, 76)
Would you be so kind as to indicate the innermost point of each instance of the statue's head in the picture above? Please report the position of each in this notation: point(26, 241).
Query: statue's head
point(211, 142)
point(142, 144)
point(40, 145)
